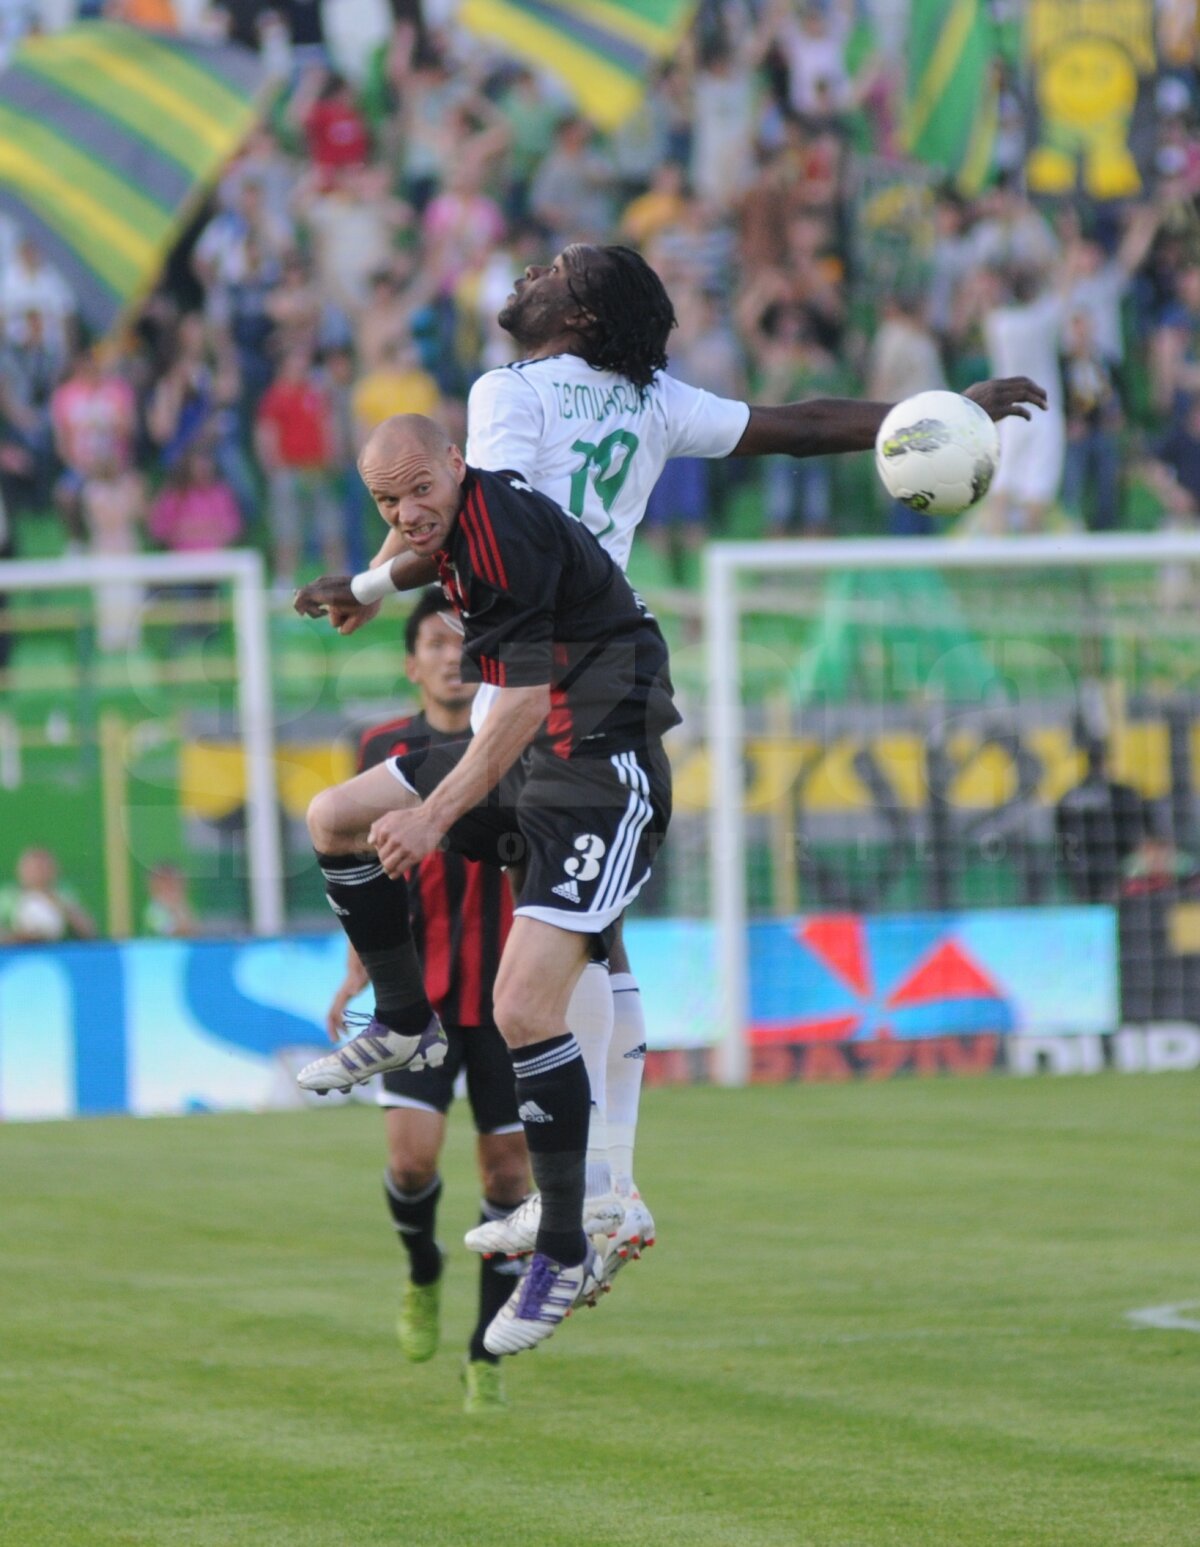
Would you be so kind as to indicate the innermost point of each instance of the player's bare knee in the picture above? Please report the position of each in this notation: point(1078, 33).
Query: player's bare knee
point(517, 1020)
point(505, 1181)
point(411, 1174)
point(323, 821)
point(503, 1167)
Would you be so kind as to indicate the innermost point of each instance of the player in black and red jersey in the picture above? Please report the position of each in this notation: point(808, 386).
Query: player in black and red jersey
point(461, 913)
point(567, 776)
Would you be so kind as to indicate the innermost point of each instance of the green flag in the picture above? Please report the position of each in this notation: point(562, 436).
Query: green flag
point(950, 110)
point(108, 138)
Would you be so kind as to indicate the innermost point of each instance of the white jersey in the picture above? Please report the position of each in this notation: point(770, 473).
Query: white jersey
point(590, 440)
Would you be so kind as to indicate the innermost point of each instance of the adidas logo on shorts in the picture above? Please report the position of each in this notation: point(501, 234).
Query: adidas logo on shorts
point(568, 889)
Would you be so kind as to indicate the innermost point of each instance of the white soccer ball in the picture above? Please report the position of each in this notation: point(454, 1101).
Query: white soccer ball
point(938, 452)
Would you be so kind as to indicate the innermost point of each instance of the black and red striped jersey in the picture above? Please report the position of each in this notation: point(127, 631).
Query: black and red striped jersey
point(461, 910)
point(541, 602)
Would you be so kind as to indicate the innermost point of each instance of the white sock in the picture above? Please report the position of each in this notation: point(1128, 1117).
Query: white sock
point(590, 1018)
point(626, 1063)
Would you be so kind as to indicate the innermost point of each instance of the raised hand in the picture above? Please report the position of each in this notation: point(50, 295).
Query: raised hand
point(1009, 397)
point(331, 597)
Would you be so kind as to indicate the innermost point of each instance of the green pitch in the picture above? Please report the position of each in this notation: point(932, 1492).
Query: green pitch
point(876, 1315)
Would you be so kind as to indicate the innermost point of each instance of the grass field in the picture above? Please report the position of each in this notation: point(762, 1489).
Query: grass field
point(877, 1314)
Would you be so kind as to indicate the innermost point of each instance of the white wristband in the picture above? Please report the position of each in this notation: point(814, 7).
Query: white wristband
point(372, 585)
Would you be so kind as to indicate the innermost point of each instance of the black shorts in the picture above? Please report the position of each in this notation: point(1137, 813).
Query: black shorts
point(585, 829)
point(491, 1089)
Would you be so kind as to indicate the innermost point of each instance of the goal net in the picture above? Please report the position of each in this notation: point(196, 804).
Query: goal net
point(953, 798)
point(137, 728)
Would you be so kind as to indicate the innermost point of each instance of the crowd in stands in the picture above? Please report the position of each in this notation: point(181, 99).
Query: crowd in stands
point(354, 256)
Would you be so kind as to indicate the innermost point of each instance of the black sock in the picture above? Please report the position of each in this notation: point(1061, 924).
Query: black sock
point(415, 1218)
point(373, 910)
point(497, 1280)
point(554, 1101)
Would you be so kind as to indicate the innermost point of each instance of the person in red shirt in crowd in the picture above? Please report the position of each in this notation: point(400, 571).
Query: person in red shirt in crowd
point(295, 436)
point(335, 131)
point(461, 914)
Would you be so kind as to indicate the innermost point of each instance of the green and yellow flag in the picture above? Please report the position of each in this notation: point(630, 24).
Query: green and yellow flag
point(950, 111)
point(108, 138)
point(602, 50)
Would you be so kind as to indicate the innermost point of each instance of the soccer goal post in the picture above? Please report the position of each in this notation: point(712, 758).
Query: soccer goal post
point(907, 727)
point(126, 597)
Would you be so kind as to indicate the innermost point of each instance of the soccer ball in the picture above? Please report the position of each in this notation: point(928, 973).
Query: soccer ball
point(938, 452)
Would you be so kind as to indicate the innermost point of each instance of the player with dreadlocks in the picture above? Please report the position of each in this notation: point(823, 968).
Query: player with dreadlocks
point(589, 416)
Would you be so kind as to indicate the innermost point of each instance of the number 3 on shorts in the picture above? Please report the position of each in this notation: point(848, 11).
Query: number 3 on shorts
point(607, 464)
point(591, 852)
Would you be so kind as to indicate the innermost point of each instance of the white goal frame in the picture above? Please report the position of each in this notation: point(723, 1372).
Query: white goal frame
point(723, 563)
point(243, 568)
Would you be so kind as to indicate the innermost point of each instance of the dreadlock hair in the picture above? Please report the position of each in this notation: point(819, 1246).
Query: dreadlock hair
point(630, 315)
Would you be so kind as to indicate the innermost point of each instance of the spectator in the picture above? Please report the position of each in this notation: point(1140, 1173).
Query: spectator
point(1010, 233)
point(112, 501)
point(903, 358)
point(38, 910)
point(302, 316)
point(243, 317)
point(952, 259)
point(531, 113)
point(573, 194)
point(430, 91)
point(696, 252)
point(460, 225)
point(28, 283)
point(1098, 824)
point(1174, 472)
point(1176, 346)
point(1022, 331)
point(724, 114)
point(222, 256)
point(1097, 285)
point(196, 511)
point(398, 385)
point(398, 304)
point(1092, 469)
point(660, 207)
point(262, 160)
point(334, 130)
point(814, 48)
point(194, 404)
point(29, 373)
point(351, 227)
point(791, 365)
point(94, 414)
point(168, 914)
point(296, 440)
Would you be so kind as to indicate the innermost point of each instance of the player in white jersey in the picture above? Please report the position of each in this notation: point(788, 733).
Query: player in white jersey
point(590, 416)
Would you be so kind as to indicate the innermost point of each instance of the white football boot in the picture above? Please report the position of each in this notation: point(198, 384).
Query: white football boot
point(374, 1051)
point(634, 1235)
point(543, 1299)
point(516, 1234)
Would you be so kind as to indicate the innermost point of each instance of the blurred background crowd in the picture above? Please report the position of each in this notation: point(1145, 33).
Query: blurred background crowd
point(350, 262)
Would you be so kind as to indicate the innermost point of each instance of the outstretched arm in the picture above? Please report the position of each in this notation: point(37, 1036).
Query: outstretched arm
point(825, 425)
point(331, 595)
